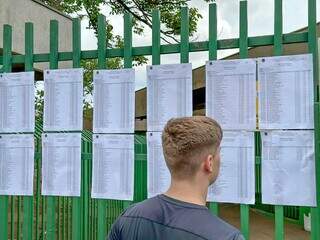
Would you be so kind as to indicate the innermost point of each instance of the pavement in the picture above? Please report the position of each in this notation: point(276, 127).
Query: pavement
point(261, 226)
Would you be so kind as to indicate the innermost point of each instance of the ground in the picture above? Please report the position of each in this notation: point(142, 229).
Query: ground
point(261, 226)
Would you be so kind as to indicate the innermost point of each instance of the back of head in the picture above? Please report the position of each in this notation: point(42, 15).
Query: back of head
point(186, 141)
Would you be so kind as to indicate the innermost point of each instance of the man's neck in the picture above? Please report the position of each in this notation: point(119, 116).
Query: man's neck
point(187, 191)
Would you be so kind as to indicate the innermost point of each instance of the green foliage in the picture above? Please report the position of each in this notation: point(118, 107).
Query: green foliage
point(141, 11)
point(39, 105)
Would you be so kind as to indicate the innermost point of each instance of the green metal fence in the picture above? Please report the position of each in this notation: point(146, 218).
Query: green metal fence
point(63, 206)
point(84, 218)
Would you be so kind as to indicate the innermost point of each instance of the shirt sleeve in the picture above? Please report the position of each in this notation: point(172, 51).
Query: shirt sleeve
point(238, 236)
point(114, 232)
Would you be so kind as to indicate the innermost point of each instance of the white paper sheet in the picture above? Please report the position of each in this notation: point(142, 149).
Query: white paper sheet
point(236, 179)
point(286, 92)
point(63, 96)
point(16, 164)
point(113, 167)
point(288, 168)
point(114, 101)
point(61, 164)
point(169, 93)
point(158, 173)
point(231, 93)
point(17, 102)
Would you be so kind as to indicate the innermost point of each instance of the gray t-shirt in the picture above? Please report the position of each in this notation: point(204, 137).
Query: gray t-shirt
point(162, 217)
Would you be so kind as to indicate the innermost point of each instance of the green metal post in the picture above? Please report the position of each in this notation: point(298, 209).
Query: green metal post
point(91, 227)
point(127, 31)
point(7, 66)
point(69, 232)
point(155, 37)
point(127, 40)
point(53, 60)
point(18, 198)
point(184, 42)
point(85, 180)
point(28, 200)
point(58, 217)
point(76, 201)
point(243, 47)
point(214, 207)
point(313, 48)
point(102, 64)
point(38, 197)
point(278, 49)
point(13, 207)
point(7, 48)
point(63, 223)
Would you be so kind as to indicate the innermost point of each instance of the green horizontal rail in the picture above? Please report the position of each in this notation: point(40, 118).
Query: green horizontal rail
point(224, 44)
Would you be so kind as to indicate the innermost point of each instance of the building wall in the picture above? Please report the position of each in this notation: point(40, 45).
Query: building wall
point(17, 12)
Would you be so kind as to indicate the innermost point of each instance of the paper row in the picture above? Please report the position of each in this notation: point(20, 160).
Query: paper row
point(285, 96)
point(287, 165)
point(63, 101)
point(113, 165)
point(285, 93)
point(113, 99)
point(112, 168)
point(281, 88)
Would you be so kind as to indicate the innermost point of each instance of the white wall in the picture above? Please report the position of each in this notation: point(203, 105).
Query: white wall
point(17, 12)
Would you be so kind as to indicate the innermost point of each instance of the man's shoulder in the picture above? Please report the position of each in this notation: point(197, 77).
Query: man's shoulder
point(213, 225)
point(193, 220)
point(146, 208)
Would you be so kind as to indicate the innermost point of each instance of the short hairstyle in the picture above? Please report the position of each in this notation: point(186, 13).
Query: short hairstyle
point(186, 140)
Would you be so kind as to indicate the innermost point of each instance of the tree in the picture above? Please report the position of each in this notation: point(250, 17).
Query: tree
point(141, 11)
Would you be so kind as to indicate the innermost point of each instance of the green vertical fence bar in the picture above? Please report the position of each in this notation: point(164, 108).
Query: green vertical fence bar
point(278, 49)
point(313, 48)
point(213, 47)
point(243, 48)
point(7, 67)
point(28, 200)
point(18, 199)
point(85, 194)
point(63, 222)
point(53, 62)
point(12, 210)
point(155, 37)
point(127, 31)
point(43, 214)
point(58, 217)
point(184, 42)
point(38, 196)
point(91, 228)
point(102, 64)
point(76, 59)
point(127, 40)
point(69, 219)
point(12, 198)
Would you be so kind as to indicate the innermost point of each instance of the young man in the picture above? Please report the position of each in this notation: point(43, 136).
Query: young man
point(191, 147)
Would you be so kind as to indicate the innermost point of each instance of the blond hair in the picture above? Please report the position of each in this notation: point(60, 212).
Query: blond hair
point(185, 141)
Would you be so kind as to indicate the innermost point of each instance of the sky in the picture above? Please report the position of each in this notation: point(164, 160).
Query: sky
point(260, 22)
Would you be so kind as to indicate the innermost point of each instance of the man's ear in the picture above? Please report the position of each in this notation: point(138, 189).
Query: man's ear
point(208, 163)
